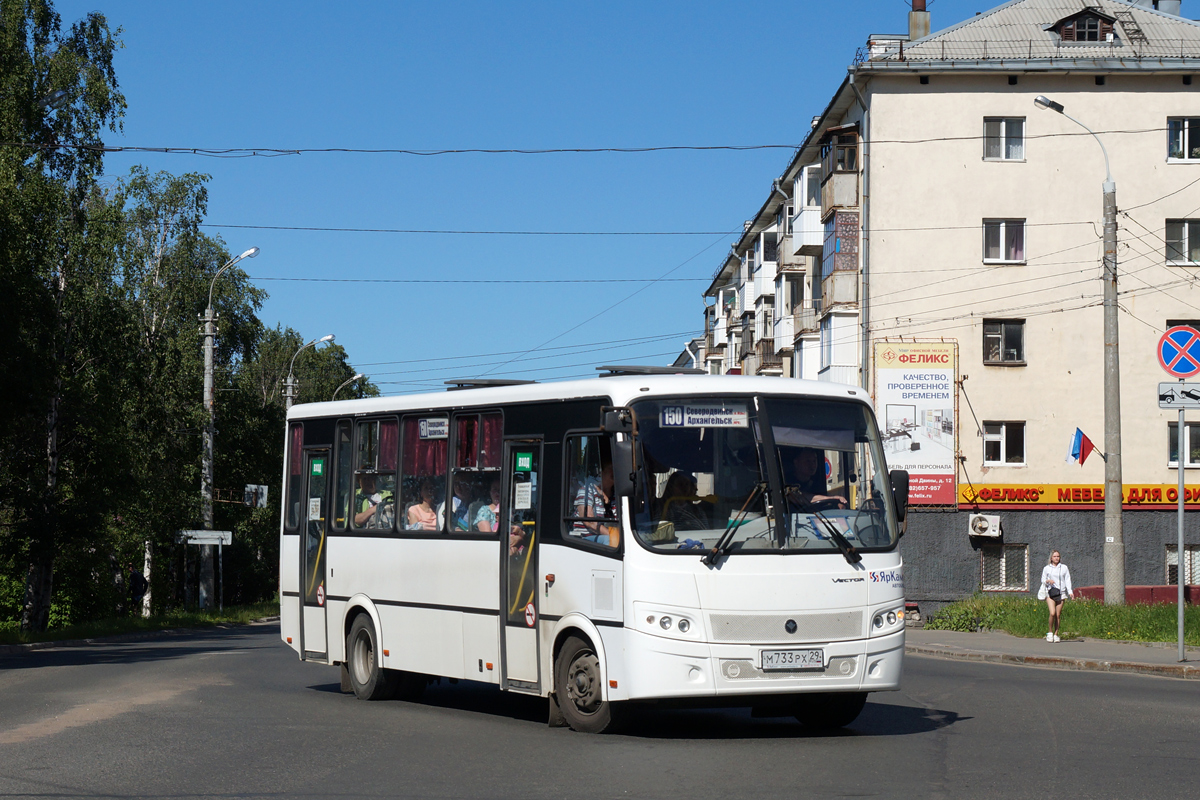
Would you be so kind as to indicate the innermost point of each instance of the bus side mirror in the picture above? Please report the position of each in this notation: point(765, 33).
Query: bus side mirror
point(899, 479)
point(616, 419)
point(624, 478)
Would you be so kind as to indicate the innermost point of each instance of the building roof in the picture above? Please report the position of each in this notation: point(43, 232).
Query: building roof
point(1022, 30)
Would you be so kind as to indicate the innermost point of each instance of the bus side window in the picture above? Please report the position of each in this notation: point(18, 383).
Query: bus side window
point(590, 508)
point(478, 442)
point(423, 471)
point(375, 476)
point(295, 483)
point(345, 477)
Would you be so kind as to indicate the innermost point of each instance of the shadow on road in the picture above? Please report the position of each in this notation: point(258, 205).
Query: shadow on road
point(651, 722)
point(157, 646)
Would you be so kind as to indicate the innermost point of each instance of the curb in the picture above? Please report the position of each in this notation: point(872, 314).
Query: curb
point(1183, 671)
point(17, 649)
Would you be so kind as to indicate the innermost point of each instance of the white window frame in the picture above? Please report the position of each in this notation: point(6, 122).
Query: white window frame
point(1191, 563)
point(826, 342)
point(1178, 129)
point(1005, 137)
point(1002, 438)
point(1173, 463)
point(1003, 228)
point(1188, 238)
point(812, 187)
point(1004, 586)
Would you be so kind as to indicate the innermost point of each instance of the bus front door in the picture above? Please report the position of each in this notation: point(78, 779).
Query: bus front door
point(518, 549)
point(312, 557)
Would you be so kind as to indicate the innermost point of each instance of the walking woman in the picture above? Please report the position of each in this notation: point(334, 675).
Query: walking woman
point(1056, 587)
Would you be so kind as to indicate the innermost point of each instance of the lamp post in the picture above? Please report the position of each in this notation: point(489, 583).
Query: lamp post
point(206, 471)
point(289, 388)
point(345, 384)
point(1114, 537)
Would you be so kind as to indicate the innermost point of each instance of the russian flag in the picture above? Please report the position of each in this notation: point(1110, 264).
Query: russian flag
point(1081, 446)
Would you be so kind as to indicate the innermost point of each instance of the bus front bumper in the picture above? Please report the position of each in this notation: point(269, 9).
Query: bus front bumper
point(660, 667)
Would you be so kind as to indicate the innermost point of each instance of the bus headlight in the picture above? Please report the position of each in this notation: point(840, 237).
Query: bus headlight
point(683, 625)
point(665, 623)
point(679, 623)
point(887, 621)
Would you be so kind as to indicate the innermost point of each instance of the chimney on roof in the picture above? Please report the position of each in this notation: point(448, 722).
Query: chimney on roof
point(918, 21)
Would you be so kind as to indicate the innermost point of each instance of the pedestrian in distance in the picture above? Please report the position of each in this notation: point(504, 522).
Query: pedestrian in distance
point(1055, 588)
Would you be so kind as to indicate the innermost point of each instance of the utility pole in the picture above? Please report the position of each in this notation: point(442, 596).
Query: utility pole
point(1114, 535)
point(206, 469)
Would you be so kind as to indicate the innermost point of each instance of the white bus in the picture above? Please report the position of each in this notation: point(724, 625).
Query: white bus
point(708, 540)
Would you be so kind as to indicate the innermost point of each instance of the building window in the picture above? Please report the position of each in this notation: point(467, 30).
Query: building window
point(1003, 443)
point(1086, 28)
point(1004, 341)
point(1004, 138)
point(840, 154)
point(1192, 435)
point(1004, 568)
point(1191, 564)
point(826, 342)
point(812, 187)
point(1183, 241)
point(1004, 241)
point(1183, 138)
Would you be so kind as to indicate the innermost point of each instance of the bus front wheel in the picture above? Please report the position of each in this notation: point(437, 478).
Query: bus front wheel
point(368, 680)
point(830, 711)
point(577, 685)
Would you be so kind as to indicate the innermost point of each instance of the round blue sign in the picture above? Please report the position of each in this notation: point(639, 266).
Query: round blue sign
point(1179, 351)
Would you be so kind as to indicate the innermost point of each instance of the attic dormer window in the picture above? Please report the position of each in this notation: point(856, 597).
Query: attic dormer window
point(1085, 28)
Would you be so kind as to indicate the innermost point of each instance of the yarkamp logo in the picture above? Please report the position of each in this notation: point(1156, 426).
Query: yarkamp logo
point(890, 577)
point(847, 580)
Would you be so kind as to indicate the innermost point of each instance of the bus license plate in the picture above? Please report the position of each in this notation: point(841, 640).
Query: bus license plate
point(793, 659)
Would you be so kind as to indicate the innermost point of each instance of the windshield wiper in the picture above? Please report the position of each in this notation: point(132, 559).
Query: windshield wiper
point(735, 522)
point(848, 550)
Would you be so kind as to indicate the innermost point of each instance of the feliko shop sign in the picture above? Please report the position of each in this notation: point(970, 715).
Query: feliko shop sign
point(1012, 495)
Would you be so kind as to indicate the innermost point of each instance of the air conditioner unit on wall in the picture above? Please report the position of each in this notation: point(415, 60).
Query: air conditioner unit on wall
point(984, 525)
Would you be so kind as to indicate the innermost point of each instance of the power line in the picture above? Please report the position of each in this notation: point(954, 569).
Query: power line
point(614, 342)
point(411, 281)
point(450, 231)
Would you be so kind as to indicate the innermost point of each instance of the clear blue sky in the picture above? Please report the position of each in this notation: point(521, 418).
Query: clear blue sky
point(484, 75)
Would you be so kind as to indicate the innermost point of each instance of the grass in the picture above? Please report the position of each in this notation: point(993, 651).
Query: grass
point(1026, 616)
point(232, 615)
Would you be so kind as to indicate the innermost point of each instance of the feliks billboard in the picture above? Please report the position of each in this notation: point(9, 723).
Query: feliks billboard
point(916, 401)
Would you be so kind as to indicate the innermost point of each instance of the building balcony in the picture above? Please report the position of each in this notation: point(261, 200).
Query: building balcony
point(839, 373)
point(806, 319)
point(840, 288)
point(808, 233)
point(768, 360)
point(840, 190)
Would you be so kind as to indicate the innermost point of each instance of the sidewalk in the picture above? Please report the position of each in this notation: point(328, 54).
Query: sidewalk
point(1090, 654)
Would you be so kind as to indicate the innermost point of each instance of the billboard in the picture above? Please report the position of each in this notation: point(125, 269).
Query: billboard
point(916, 401)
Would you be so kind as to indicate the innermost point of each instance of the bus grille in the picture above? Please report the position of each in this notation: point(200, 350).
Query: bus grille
point(770, 628)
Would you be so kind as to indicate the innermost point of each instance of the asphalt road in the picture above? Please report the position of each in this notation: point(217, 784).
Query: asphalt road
point(233, 713)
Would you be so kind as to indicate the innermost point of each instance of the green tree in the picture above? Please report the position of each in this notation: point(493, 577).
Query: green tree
point(57, 94)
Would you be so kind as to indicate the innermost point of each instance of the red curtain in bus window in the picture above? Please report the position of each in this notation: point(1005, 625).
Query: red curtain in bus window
point(422, 456)
point(296, 449)
point(387, 445)
point(466, 446)
point(492, 435)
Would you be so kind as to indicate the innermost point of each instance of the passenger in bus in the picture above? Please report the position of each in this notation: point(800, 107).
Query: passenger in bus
point(487, 518)
point(372, 508)
point(460, 505)
point(421, 516)
point(679, 506)
point(806, 484)
point(594, 502)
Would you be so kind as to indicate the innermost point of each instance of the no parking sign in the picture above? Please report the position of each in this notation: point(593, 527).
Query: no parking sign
point(1179, 351)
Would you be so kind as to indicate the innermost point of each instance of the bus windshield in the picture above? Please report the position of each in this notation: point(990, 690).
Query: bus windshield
point(775, 472)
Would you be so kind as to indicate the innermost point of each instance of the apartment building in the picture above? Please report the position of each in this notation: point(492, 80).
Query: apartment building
point(933, 208)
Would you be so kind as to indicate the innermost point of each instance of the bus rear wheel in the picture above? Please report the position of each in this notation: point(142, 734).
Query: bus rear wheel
point(368, 680)
point(830, 711)
point(578, 687)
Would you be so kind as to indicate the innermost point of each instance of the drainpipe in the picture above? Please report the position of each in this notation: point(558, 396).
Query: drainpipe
point(695, 356)
point(865, 304)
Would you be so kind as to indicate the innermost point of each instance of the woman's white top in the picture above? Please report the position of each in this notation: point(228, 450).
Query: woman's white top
point(1060, 575)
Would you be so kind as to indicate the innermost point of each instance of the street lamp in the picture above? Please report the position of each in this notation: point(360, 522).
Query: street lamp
point(289, 389)
point(206, 471)
point(345, 384)
point(1114, 537)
